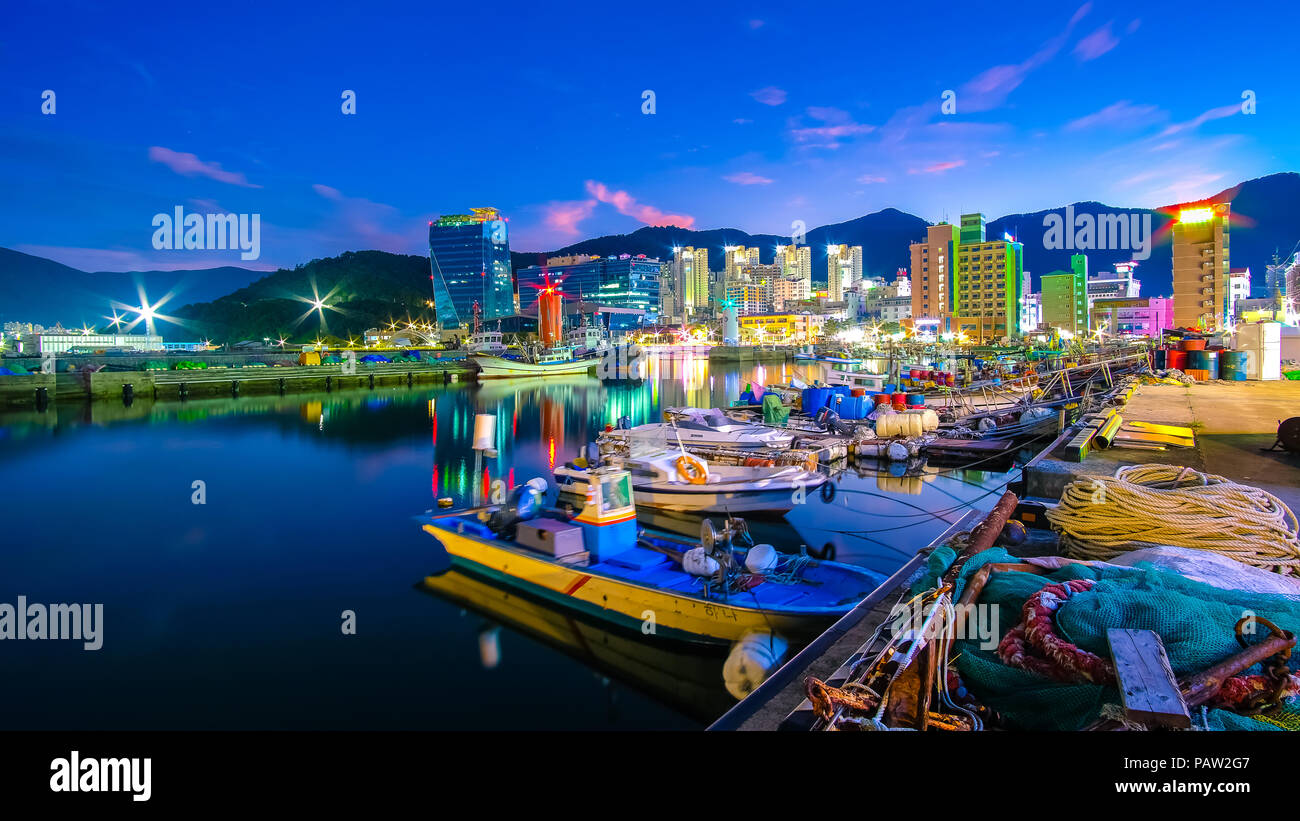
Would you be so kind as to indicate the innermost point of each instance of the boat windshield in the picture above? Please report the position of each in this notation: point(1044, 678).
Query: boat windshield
point(616, 492)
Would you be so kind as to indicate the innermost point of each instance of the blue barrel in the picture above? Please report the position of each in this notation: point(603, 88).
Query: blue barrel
point(890, 389)
point(868, 405)
point(1204, 360)
point(916, 400)
point(1232, 366)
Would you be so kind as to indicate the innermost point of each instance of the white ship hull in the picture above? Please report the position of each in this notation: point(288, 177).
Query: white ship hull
point(494, 367)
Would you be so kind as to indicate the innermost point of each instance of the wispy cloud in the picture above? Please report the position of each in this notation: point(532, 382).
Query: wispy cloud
point(769, 96)
point(627, 205)
point(1096, 44)
point(989, 89)
point(1213, 114)
point(189, 165)
point(327, 192)
point(836, 124)
point(747, 178)
point(868, 179)
point(938, 167)
point(1116, 115)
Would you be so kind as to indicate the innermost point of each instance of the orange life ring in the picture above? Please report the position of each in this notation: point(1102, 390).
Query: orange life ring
point(692, 470)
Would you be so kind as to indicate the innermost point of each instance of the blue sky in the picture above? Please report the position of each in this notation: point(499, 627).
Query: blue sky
point(764, 114)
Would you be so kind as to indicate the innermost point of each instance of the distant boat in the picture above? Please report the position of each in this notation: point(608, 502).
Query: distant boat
point(553, 361)
point(691, 426)
point(710, 590)
point(667, 481)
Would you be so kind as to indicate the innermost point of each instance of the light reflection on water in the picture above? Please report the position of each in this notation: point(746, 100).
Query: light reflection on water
point(227, 614)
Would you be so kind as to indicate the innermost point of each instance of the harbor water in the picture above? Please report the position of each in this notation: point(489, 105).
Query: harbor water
point(258, 565)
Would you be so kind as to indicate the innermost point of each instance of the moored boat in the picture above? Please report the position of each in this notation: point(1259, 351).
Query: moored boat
point(681, 482)
point(553, 361)
point(600, 561)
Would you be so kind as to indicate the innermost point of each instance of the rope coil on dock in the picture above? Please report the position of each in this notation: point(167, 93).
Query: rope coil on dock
point(1144, 505)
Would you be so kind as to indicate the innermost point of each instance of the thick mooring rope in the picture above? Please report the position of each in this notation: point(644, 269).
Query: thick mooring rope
point(1145, 505)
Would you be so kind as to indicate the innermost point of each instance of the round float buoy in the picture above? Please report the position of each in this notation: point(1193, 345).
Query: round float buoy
point(828, 492)
point(1013, 533)
point(761, 558)
point(751, 661)
point(690, 469)
point(698, 562)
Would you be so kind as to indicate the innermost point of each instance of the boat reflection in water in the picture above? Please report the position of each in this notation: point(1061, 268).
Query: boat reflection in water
point(687, 678)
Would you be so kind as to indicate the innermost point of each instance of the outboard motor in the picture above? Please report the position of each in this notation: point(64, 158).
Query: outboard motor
point(826, 417)
point(523, 503)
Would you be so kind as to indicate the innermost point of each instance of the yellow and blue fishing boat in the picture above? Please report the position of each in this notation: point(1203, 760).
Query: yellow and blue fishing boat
point(600, 561)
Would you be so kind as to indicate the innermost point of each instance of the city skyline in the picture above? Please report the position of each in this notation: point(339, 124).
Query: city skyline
point(1090, 102)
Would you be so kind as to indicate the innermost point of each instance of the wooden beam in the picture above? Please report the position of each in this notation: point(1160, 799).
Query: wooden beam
point(1146, 681)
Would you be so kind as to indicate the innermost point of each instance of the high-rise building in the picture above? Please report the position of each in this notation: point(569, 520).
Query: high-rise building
point(691, 280)
point(1238, 289)
point(1200, 251)
point(795, 262)
point(843, 269)
point(1065, 298)
point(986, 292)
point(469, 260)
point(932, 272)
point(736, 257)
point(667, 296)
point(626, 282)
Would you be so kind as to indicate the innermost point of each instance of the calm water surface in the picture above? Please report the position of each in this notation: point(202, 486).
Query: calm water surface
point(227, 614)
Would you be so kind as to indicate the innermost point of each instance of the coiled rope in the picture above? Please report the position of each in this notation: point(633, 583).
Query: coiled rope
point(1145, 505)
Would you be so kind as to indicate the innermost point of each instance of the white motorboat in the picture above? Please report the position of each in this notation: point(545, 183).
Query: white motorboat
point(676, 481)
point(692, 426)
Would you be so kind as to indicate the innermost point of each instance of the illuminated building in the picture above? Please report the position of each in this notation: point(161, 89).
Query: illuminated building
point(469, 260)
point(1065, 297)
point(1120, 284)
point(795, 262)
point(623, 281)
point(691, 280)
point(843, 269)
point(932, 262)
point(1238, 289)
point(1137, 316)
point(985, 293)
point(1200, 252)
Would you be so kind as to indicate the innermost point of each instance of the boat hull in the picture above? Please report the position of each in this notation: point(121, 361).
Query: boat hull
point(494, 367)
point(674, 616)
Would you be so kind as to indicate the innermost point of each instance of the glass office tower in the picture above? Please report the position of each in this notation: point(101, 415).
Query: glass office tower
point(469, 260)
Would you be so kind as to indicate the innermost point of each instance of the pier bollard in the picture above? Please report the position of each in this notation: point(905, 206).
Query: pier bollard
point(42, 399)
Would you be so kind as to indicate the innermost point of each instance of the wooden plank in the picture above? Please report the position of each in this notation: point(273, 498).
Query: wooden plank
point(1146, 681)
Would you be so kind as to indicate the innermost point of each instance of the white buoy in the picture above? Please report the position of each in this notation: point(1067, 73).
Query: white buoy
point(485, 430)
point(698, 562)
point(897, 452)
point(751, 661)
point(761, 558)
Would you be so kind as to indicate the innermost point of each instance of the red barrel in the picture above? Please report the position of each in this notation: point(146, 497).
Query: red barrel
point(900, 399)
point(858, 392)
point(1176, 359)
point(1193, 344)
point(882, 399)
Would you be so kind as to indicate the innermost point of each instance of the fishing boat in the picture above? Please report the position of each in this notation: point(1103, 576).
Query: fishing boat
point(850, 376)
point(681, 482)
point(547, 362)
point(692, 426)
point(712, 590)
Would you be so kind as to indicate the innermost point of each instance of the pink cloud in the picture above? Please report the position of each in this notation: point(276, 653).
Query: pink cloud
point(327, 192)
point(938, 167)
point(1096, 44)
point(990, 88)
point(1213, 114)
point(628, 206)
point(1122, 113)
point(769, 96)
point(565, 216)
point(836, 124)
point(189, 165)
point(746, 178)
